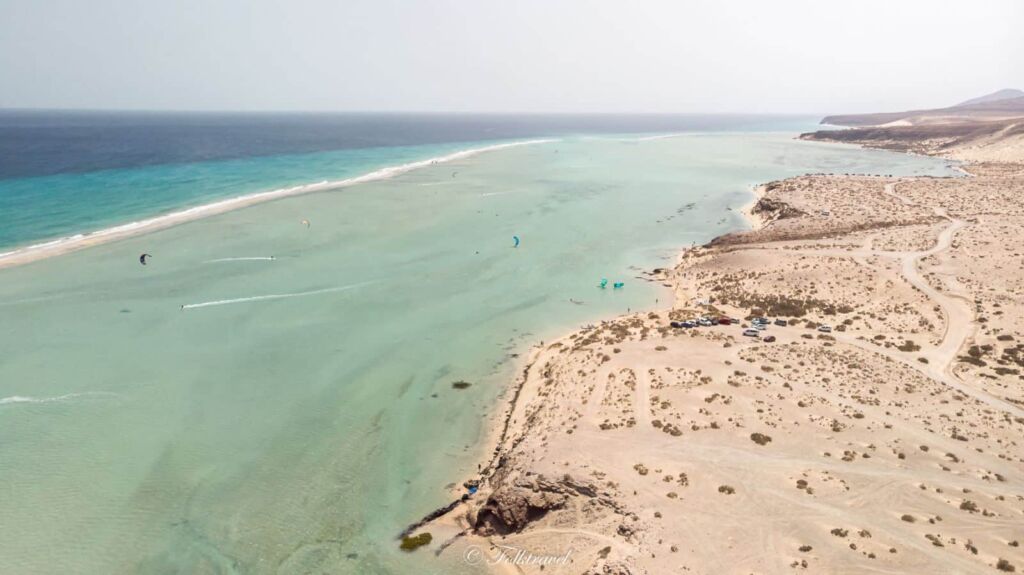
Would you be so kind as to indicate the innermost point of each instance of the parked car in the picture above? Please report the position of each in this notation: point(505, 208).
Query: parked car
point(769, 339)
point(825, 328)
point(676, 324)
point(689, 323)
point(760, 326)
point(781, 323)
point(751, 333)
point(724, 321)
point(757, 320)
point(704, 321)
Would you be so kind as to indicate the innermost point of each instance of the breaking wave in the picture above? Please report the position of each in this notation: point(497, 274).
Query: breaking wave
point(56, 399)
point(60, 245)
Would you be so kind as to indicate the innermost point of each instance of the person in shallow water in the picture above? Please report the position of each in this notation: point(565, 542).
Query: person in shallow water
point(142, 258)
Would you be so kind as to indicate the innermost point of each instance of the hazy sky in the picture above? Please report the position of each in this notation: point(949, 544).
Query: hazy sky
point(811, 56)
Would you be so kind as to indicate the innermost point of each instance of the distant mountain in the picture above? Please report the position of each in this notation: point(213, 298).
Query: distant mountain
point(999, 105)
point(1005, 94)
point(988, 128)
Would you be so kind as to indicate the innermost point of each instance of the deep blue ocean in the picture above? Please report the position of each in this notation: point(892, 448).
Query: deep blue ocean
point(69, 172)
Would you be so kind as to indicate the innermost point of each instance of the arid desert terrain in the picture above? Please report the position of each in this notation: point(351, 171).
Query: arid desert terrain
point(876, 425)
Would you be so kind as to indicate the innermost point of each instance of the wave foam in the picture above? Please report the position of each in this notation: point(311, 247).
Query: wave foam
point(59, 398)
point(274, 296)
point(62, 245)
point(242, 259)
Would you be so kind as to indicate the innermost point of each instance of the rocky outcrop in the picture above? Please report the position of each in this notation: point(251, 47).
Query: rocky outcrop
point(515, 503)
point(768, 210)
point(775, 210)
point(585, 489)
point(512, 507)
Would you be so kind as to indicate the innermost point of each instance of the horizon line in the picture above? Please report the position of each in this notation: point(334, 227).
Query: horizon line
point(397, 112)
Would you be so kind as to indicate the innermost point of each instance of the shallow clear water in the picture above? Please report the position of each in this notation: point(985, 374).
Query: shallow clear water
point(41, 208)
point(69, 172)
point(300, 432)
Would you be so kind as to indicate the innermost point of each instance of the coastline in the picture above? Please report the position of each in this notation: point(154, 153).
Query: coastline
point(497, 434)
point(515, 479)
point(499, 429)
point(755, 221)
point(60, 246)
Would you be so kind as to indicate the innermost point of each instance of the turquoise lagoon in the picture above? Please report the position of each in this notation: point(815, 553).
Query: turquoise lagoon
point(219, 411)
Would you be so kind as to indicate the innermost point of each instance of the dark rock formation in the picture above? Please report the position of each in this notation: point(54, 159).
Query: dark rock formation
point(775, 209)
point(510, 508)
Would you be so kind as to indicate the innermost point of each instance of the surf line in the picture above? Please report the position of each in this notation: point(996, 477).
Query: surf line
point(243, 259)
point(65, 397)
point(58, 246)
point(274, 296)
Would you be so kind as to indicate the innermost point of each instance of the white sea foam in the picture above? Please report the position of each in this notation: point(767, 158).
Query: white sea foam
point(274, 296)
point(649, 138)
point(60, 398)
point(658, 137)
point(646, 138)
point(242, 259)
point(57, 246)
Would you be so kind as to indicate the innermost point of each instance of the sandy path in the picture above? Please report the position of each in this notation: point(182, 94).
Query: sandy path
point(890, 189)
point(956, 308)
point(959, 317)
point(960, 323)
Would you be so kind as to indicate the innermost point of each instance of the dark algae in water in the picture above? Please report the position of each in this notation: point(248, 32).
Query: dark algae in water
point(415, 541)
point(461, 384)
